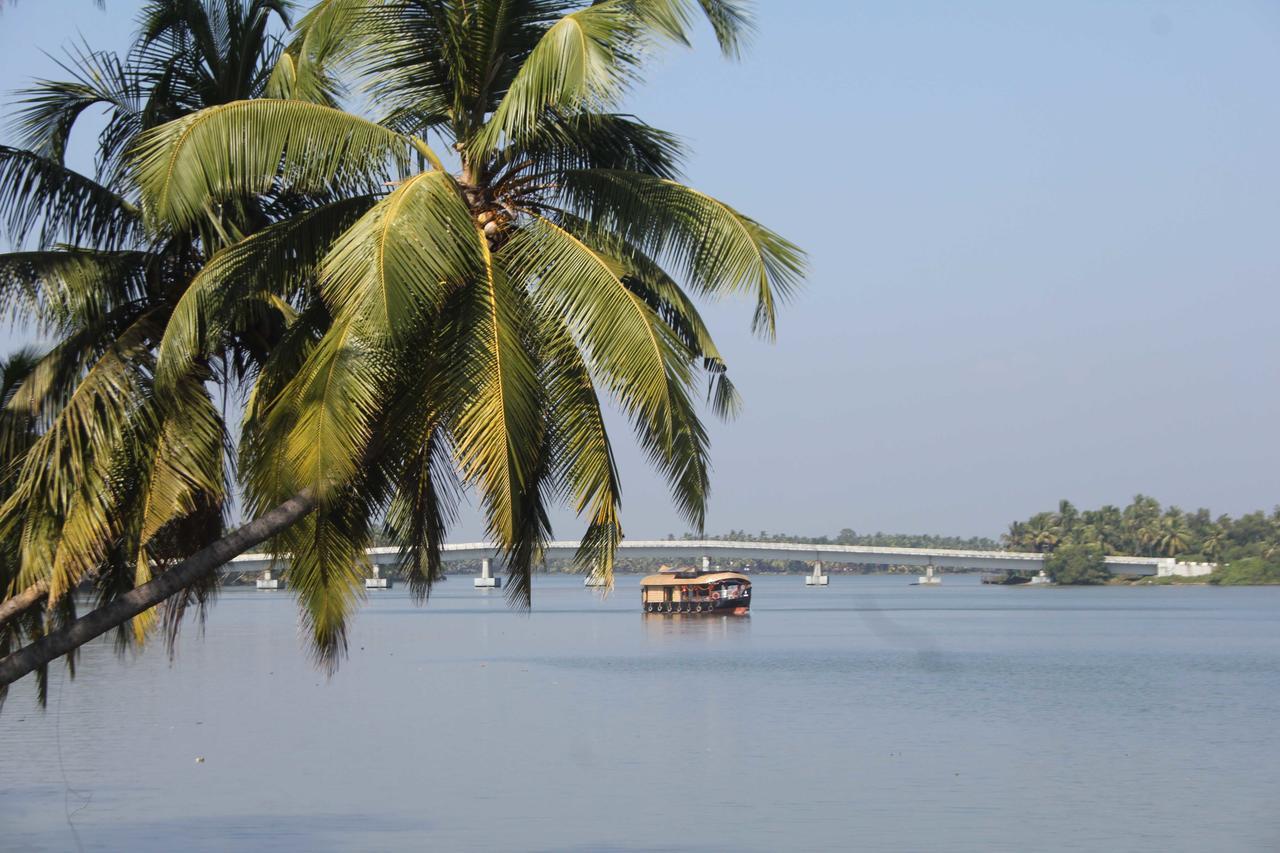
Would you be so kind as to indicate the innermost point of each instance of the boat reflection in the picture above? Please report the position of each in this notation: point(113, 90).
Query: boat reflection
point(681, 627)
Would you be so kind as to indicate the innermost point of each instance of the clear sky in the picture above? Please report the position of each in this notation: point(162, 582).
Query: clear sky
point(1044, 248)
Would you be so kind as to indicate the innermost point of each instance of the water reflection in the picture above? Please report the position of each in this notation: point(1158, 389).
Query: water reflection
point(667, 628)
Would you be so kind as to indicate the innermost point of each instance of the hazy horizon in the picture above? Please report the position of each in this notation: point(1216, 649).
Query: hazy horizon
point(1043, 256)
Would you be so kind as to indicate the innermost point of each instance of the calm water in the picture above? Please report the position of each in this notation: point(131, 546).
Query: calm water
point(869, 716)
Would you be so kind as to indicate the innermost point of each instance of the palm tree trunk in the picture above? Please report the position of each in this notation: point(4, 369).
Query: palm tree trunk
point(11, 607)
point(97, 622)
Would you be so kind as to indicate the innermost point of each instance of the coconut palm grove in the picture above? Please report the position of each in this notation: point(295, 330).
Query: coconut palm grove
point(348, 316)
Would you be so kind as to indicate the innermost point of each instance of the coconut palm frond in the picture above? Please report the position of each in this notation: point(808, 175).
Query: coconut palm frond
point(718, 250)
point(252, 147)
point(581, 445)
point(584, 61)
point(40, 196)
point(279, 260)
point(402, 258)
point(498, 425)
point(70, 288)
point(624, 339)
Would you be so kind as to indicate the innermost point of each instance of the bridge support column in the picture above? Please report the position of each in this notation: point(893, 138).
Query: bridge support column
point(377, 581)
point(817, 578)
point(929, 578)
point(486, 579)
point(268, 582)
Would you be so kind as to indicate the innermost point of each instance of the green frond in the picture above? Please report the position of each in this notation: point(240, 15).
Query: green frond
point(92, 420)
point(401, 259)
point(421, 511)
point(186, 476)
point(327, 567)
point(48, 110)
point(324, 414)
point(40, 195)
point(68, 288)
point(582, 450)
point(648, 280)
point(684, 460)
point(254, 147)
point(322, 40)
point(497, 432)
point(187, 460)
point(718, 250)
point(582, 62)
point(592, 140)
point(84, 538)
point(264, 470)
point(724, 398)
point(54, 377)
point(625, 342)
point(280, 260)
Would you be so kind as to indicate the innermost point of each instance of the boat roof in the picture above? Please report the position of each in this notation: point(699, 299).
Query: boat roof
point(667, 579)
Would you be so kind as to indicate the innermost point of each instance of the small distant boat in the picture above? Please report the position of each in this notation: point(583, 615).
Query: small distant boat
point(693, 591)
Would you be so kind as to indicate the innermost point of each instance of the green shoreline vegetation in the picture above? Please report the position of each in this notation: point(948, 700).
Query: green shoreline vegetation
point(1246, 549)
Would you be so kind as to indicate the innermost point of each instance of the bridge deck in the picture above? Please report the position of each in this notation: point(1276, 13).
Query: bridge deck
point(691, 550)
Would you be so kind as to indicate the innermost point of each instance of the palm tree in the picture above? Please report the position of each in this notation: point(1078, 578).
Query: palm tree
point(1172, 535)
point(442, 327)
point(1043, 532)
point(1215, 539)
point(1016, 537)
point(118, 480)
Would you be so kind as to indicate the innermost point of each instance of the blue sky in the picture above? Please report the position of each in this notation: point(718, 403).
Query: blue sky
point(1044, 255)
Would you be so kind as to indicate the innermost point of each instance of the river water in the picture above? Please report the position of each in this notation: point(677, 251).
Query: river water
point(870, 715)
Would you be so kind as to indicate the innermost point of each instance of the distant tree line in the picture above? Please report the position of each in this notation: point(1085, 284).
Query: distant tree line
point(1145, 529)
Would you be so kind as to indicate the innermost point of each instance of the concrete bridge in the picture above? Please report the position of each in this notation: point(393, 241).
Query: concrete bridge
point(931, 560)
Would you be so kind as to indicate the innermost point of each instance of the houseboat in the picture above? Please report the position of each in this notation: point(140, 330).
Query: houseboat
point(693, 591)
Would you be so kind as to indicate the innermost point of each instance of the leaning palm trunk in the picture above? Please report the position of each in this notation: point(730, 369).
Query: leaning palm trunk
point(23, 601)
point(141, 599)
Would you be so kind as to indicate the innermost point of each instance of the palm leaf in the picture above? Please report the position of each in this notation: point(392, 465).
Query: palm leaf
point(421, 511)
point(625, 341)
point(325, 413)
point(69, 288)
point(49, 109)
point(39, 194)
point(583, 451)
point(400, 260)
point(583, 61)
point(497, 428)
point(327, 567)
point(592, 140)
point(719, 250)
point(252, 147)
point(278, 260)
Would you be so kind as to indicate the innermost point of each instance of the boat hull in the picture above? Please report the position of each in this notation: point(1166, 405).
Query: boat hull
point(740, 606)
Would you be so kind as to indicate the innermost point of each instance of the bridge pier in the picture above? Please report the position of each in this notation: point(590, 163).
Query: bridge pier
point(377, 581)
point(268, 582)
point(486, 579)
point(929, 578)
point(817, 578)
